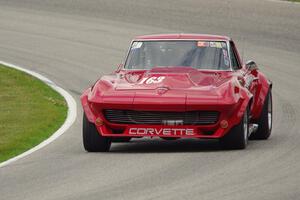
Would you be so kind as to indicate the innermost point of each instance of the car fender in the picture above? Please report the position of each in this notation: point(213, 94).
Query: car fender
point(262, 91)
point(86, 106)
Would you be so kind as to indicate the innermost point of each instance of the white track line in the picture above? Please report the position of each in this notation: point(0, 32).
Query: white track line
point(68, 122)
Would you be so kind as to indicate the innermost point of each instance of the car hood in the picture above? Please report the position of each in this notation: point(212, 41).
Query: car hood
point(181, 78)
point(174, 88)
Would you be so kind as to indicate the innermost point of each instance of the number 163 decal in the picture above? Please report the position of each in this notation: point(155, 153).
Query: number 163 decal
point(152, 80)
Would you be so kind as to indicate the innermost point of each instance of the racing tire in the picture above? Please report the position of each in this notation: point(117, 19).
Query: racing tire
point(121, 139)
point(92, 140)
point(169, 138)
point(265, 120)
point(237, 138)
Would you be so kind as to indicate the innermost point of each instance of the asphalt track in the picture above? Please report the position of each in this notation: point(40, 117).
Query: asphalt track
point(73, 42)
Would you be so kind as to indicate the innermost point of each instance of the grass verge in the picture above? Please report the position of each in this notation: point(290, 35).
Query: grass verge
point(30, 111)
point(293, 0)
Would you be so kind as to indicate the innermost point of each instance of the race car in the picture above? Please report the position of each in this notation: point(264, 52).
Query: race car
point(179, 86)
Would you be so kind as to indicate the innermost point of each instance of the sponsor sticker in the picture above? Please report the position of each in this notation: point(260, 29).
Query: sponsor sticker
point(215, 44)
point(224, 46)
point(202, 44)
point(219, 45)
point(136, 45)
point(212, 44)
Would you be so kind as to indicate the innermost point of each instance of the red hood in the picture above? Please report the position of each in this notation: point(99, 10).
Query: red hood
point(173, 78)
point(178, 87)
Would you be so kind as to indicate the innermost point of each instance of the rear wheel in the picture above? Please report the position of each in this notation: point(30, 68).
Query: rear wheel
point(237, 138)
point(265, 120)
point(92, 140)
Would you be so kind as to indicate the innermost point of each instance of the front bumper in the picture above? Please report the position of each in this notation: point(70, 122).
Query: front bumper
point(186, 131)
point(230, 114)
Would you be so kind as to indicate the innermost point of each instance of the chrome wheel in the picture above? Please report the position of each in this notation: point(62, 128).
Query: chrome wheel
point(246, 127)
point(264, 121)
point(270, 112)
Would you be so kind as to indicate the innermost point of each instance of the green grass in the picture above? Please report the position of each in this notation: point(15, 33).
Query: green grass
point(30, 111)
point(293, 0)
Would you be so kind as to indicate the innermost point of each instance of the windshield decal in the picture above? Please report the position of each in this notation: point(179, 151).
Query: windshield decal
point(224, 46)
point(215, 44)
point(136, 45)
point(202, 44)
point(152, 80)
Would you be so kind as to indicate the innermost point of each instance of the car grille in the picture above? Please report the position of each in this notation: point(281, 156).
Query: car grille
point(161, 118)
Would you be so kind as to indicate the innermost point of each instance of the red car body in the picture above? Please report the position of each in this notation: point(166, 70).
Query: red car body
point(119, 103)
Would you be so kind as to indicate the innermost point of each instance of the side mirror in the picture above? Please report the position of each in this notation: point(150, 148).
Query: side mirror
point(251, 65)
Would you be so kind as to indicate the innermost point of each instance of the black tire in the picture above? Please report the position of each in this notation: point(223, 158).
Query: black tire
point(92, 140)
point(264, 125)
point(121, 139)
point(237, 138)
point(169, 138)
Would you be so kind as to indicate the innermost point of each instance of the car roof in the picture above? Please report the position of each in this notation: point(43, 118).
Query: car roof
point(182, 36)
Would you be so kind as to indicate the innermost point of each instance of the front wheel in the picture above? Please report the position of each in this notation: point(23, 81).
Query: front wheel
point(237, 138)
point(92, 140)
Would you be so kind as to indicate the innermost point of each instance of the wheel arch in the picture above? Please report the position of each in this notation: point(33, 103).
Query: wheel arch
point(263, 89)
point(86, 106)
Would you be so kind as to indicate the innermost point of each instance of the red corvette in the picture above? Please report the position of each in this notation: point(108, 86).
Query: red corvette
point(179, 86)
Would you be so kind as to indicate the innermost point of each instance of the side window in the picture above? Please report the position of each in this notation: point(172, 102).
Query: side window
point(234, 60)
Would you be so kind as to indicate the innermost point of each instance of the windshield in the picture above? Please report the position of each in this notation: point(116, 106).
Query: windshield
point(212, 55)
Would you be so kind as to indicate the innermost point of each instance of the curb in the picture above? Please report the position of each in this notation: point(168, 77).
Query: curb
point(72, 113)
